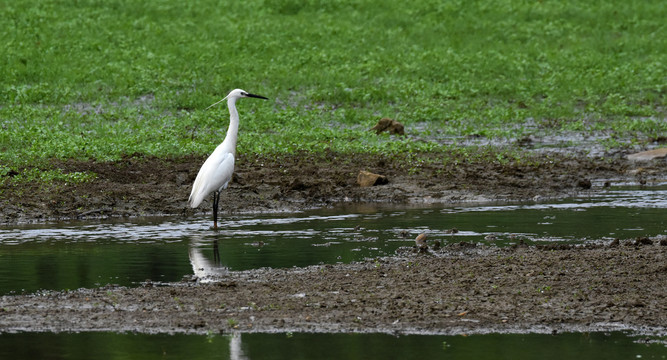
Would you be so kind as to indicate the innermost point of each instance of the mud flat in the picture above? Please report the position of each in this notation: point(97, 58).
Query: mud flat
point(146, 186)
point(461, 288)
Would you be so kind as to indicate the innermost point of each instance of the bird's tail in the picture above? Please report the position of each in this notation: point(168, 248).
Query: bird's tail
point(195, 200)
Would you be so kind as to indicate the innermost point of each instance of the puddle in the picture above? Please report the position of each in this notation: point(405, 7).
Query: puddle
point(533, 136)
point(608, 346)
point(89, 254)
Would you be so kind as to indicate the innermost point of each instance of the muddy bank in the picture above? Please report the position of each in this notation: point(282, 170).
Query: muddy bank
point(139, 186)
point(460, 288)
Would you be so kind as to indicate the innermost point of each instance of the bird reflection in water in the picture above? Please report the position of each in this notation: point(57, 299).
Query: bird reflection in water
point(203, 268)
point(216, 253)
point(206, 271)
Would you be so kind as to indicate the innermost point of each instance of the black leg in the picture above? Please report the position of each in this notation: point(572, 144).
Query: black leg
point(216, 200)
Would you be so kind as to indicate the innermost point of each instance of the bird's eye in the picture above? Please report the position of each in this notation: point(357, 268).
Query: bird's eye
point(244, 94)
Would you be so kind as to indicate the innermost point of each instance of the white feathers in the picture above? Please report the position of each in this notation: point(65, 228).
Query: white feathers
point(214, 175)
point(217, 170)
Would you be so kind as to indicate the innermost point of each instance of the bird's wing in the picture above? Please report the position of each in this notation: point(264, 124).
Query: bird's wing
point(214, 175)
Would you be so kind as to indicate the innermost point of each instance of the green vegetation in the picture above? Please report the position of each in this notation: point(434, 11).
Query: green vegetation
point(101, 79)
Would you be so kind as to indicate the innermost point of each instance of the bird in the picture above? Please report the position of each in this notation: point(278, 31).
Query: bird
point(216, 172)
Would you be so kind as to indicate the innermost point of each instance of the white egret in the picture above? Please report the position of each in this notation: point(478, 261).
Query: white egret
point(217, 170)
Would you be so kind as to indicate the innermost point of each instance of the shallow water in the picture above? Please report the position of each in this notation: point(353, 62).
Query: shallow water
point(93, 253)
point(70, 255)
point(608, 346)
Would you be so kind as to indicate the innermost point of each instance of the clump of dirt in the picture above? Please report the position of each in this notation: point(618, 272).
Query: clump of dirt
point(390, 126)
point(458, 289)
point(140, 185)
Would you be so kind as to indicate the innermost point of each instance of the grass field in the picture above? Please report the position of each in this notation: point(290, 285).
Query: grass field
point(98, 80)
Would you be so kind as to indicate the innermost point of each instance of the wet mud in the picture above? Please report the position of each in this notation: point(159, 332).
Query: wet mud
point(146, 186)
point(460, 288)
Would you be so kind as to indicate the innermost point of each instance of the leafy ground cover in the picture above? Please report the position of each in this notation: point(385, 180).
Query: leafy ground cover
point(100, 80)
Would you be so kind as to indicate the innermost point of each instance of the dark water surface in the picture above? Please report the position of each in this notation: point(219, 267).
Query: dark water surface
point(608, 346)
point(71, 255)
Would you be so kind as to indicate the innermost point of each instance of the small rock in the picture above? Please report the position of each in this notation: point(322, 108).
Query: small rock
point(365, 179)
point(525, 141)
point(389, 125)
point(648, 155)
point(637, 172)
point(468, 245)
point(584, 183)
point(297, 185)
point(643, 241)
point(522, 245)
point(420, 241)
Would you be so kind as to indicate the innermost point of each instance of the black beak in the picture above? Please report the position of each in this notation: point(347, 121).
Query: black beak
point(256, 96)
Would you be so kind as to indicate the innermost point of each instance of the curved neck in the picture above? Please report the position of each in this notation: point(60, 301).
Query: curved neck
point(232, 131)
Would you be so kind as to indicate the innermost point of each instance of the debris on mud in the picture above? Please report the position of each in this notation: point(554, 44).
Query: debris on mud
point(143, 186)
point(649, 155)
point(367, 178)
point(457, 289)
point(420, 241)
point(392, 127)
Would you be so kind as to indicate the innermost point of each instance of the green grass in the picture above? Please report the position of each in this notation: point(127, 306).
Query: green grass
point(102, 79)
